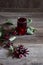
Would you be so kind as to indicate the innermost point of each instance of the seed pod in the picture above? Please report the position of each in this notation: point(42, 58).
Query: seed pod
point(29, 31)
point(32, 29)
point(11, 48)
point(12, 38)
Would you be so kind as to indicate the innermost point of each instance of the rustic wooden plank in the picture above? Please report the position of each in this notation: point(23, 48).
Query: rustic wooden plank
point(33, 42)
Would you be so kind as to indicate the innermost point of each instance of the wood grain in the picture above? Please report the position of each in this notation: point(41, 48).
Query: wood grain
point(33, 42)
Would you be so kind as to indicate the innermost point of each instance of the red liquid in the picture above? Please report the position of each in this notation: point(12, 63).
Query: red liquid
point(21, 26)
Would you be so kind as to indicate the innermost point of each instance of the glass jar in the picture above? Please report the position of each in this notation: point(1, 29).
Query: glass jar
point(22, 26)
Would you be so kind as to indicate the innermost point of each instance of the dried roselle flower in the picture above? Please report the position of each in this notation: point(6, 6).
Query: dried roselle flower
point(7, 44)
point(19, 51)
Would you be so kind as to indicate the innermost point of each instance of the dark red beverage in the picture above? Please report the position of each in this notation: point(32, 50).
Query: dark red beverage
point(21, 26)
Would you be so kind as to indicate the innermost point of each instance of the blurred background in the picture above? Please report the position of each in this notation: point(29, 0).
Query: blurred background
point(21, 5)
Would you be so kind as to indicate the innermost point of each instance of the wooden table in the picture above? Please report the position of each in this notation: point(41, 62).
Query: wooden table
point(33, 42)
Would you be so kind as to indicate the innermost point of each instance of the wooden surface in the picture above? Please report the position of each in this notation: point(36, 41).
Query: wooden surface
point(33, 42)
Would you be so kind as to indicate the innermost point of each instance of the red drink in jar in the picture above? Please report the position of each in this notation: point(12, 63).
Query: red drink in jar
point(21, 26)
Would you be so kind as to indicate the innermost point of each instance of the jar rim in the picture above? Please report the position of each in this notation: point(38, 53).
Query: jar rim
point(21, 19)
